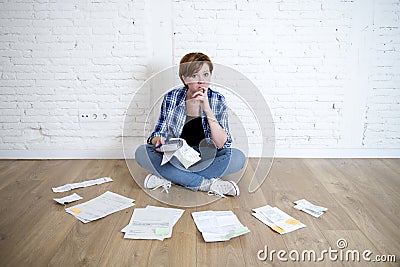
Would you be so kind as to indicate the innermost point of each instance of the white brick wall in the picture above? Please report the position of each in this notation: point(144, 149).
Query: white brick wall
point(301, 54)
point(329, 70)
point(382, 123)
point(61, 57)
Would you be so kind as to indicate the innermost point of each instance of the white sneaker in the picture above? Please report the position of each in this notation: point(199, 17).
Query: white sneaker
point(153, 182)
point(221, 188)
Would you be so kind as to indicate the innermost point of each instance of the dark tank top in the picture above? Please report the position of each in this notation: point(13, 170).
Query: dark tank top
point(193, 131)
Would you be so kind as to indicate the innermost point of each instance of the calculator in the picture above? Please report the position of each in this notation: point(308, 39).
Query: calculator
point(171, 145)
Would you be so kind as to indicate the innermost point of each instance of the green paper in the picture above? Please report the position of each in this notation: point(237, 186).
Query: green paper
point(237, 232)
point(162, 231)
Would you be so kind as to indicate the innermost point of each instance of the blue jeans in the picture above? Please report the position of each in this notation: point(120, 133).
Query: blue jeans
point(213, 164)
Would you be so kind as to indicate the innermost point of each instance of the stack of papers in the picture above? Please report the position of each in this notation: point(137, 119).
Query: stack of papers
point(69, 187)
point(309, 208)
point(152, 223)
point(277, 220)
point(218, 225)
point(100, 207)
point(186, 155)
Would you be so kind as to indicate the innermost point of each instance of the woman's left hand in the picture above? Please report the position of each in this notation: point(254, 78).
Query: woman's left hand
point(203, 98)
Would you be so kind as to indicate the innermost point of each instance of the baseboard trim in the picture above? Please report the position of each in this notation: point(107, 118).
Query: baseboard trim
point(279, 153)
point(61, 154)
point(338, 153)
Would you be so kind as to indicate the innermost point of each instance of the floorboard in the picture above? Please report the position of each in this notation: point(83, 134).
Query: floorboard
point(362, 195)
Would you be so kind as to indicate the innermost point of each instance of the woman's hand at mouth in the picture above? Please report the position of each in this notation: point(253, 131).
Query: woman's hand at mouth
point(201, 96)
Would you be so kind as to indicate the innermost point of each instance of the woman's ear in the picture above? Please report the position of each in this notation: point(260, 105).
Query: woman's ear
point(184, 80)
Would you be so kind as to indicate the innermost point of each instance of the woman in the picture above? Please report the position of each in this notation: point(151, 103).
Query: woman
point(199, 115)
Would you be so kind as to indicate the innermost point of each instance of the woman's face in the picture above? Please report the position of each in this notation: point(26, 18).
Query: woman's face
point(199, 80)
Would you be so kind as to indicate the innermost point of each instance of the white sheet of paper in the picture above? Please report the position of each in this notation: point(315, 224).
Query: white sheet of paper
point(68, 187)
point(146, 231)
point(100, 207)
point(276, 219)
point(263, 219)
point(144, 227)
point(171, 213)
point(152, 223)
point(218, 225)
point(309, 208)
point(314, 213)
point(68, 199)
point(186, 155)
point(273, 214)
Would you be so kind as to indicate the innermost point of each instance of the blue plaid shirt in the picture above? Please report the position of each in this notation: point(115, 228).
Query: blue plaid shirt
point(173, 115)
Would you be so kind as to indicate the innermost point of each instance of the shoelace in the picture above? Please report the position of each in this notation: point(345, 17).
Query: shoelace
point(165, 186)
point(215, 192)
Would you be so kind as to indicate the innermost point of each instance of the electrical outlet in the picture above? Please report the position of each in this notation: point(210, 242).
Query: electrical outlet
point(93, 116)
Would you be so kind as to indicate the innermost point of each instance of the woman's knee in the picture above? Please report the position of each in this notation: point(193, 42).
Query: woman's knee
point(140, 154)
point(237, 158)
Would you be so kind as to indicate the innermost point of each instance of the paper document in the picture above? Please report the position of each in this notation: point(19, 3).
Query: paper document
point(152, 223)
point(218, 225)
point(68, 199)
point(186, 155)
point(277, 220)
point(100, 207)
point(309, 208)
point(69, 187)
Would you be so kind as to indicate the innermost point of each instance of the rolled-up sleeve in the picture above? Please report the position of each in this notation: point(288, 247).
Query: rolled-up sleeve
point(161, 127)
point(223, 120)
point(220, 109)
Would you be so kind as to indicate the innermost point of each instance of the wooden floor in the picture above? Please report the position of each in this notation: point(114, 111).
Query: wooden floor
point(362, 195)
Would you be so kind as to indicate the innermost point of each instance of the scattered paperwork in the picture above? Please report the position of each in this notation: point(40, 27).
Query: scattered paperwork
point(100, 207)
point(186, 155)
point(152, 223)
point(277, 220)
point(218, 225)
point(68, 199)
point(69, 187)
point(309, 208)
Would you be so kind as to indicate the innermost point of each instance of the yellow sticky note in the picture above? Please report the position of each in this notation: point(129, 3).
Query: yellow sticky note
point(277, 229)
point(292, 221)
point(76, 210)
